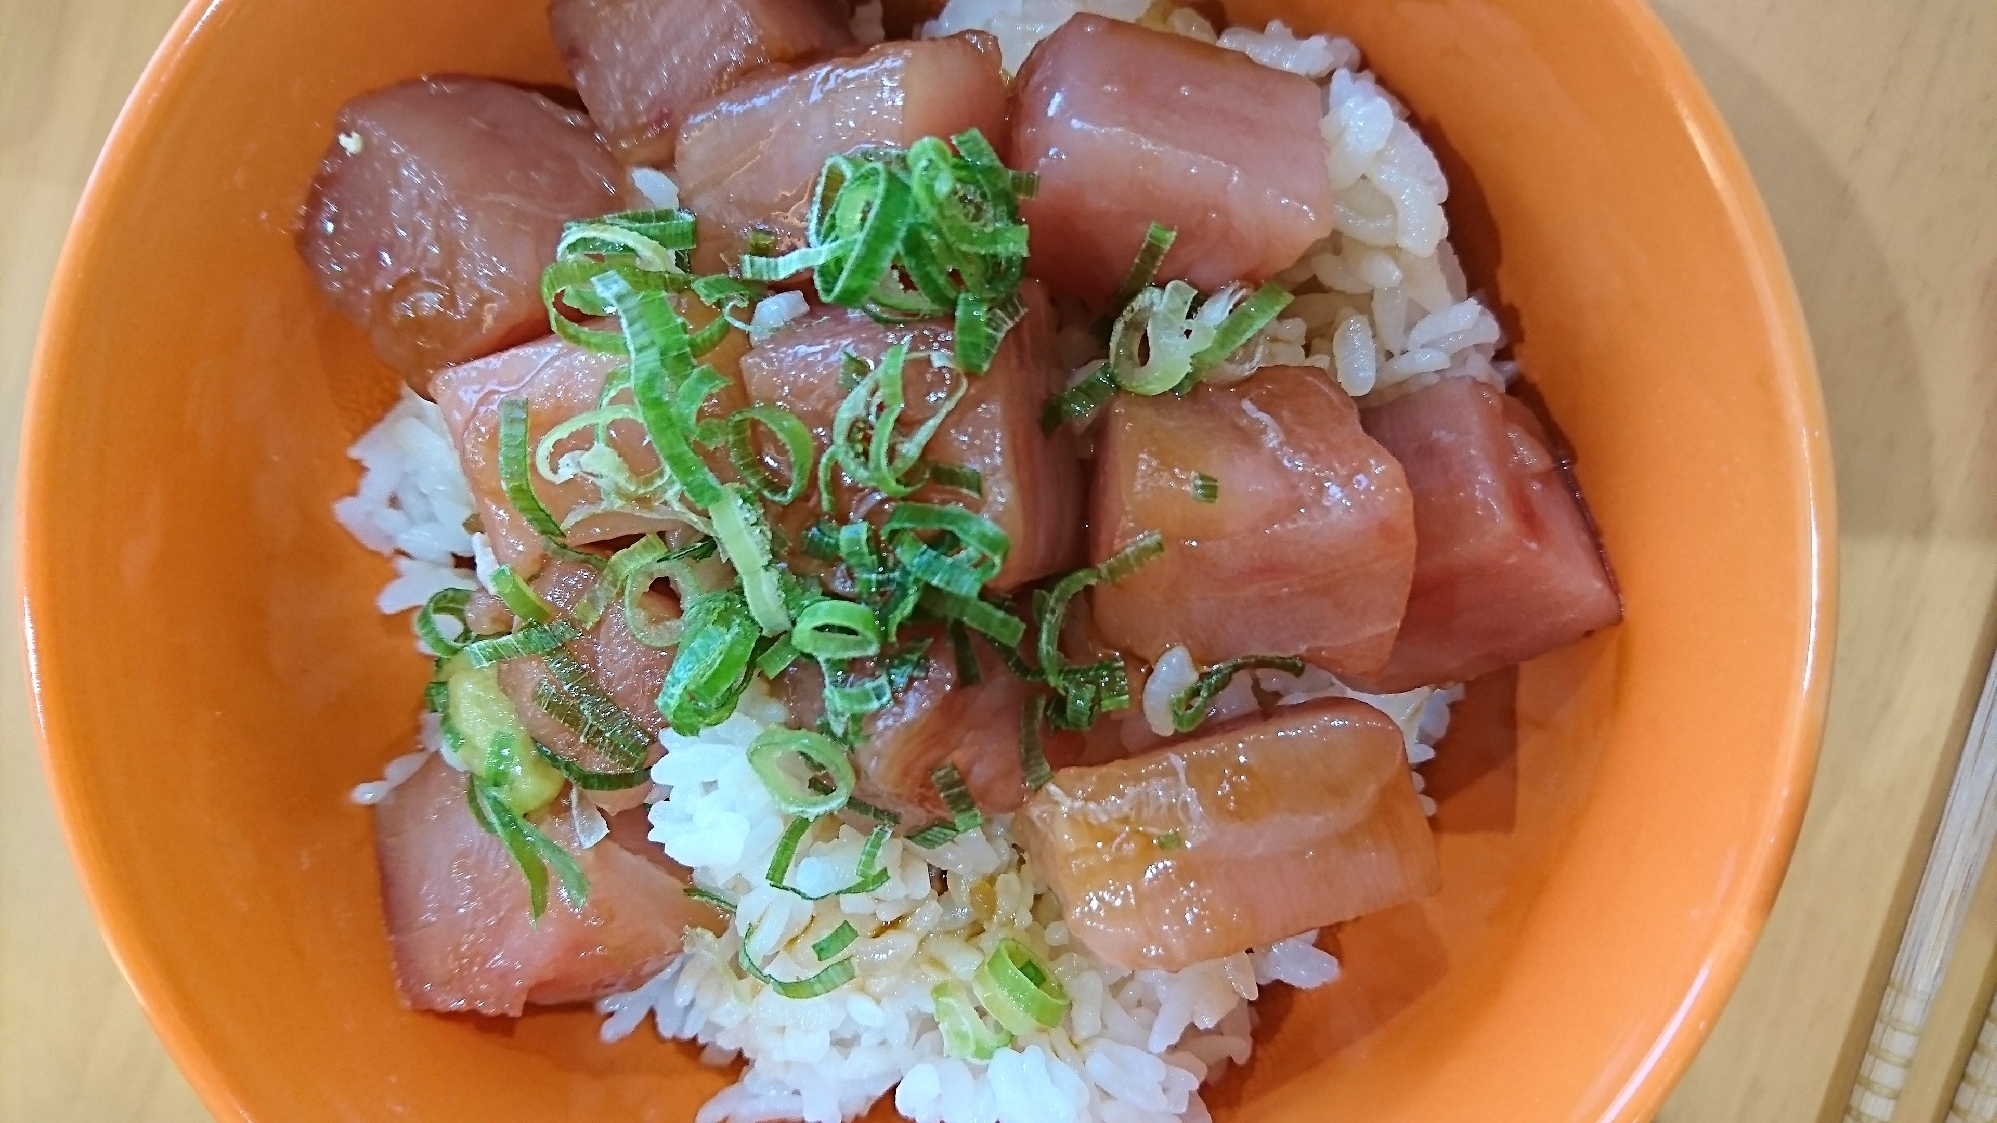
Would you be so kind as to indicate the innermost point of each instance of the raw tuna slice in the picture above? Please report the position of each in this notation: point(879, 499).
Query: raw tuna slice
point(1127, 126)
point(1506, 568)
point(559, 381)
point(940, 718)
point(751, 156)
point(628, 671)
point(1310, 543)
point(1031, 481)
point(436, 208)
point(640, 65)
point(457, 910)
point(1236, 839)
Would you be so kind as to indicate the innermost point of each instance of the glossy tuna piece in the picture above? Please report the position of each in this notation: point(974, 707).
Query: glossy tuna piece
point(1031, 481)
point(939, 718)
point(1127, 126)
point(559, 381)
point(629, 672)
point(641, 65)
point(1507, 567)
point(1236, 839)
point(436, 208)
point(752, 156)
point(1309, 546)
point(457, 912)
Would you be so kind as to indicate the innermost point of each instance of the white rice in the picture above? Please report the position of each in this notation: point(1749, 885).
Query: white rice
point(1135, 1045)
point(412, 503)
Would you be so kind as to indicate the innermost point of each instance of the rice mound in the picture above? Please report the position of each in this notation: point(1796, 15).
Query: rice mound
point(1382, 304)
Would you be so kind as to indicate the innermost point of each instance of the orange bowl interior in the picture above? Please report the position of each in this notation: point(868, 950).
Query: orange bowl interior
point(212, 677)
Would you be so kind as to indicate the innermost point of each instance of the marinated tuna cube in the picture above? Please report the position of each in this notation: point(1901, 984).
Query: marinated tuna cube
point(457, 910)
point(436, 208)
point(939, 718)
point(751, 157)
point(628, 671)
point(1507, 567)
point(1127, 126)
point(559, 382)
point(1031, 482)
point(1307, 543)
point(1235, 839)
point(641, 65)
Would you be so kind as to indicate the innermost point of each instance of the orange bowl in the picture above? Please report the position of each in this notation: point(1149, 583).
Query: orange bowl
point(211, 677)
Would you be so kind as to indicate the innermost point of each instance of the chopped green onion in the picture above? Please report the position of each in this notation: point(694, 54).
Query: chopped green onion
point(1020, 991)
point(830, 979)
point(965, 1034)
point(604, 725)
point(1155, 339)
point(868, 876)
point(958, 477)
point(835, 941)
point(711, 667)
point(766, 757)
point(520, 598)
point(833, 629)
point(661, 364)
point(787, 847)
point(934, 835)
point(514, 462)
point(745, 542)
point(949, 783)
point(962, 655)
point(531, 850)
point(1001, 626)
point(624, 564)
point(535, 639)
point(1247, 318)
point(1157, 243)
point(1032, 756)
point(1170, 840)
point(821, 541)
point(588, 779)
point(1189, 706)
point(444, 602)
point(436, 695)
point(777, 657)
point(1206, 489)
point(1103, 685)
point(796, 439)
point(710, 897)
point(1080, 400)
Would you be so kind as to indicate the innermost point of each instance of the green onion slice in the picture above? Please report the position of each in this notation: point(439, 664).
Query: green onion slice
point(1154, 342)
point(796, 439)
point(520, 597)
point(745, 542)
point(1189, 706)
point(1080, 400)
point(767, 754)
point(514, 462)
point(830, 979)
point(835, 941)
point(834, 629)
point(536, 639)
point(1157, 243)
point(535, 853)
point(1020, 991)
point(711, 668)
point(588, 779)
point(710, 897)
point(1206, 489)
point(1241, 324)
point(1032, 754)
point(965, 1034)
point(450, 603)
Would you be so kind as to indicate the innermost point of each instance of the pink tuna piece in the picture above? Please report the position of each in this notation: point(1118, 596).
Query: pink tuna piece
point(1127, 126)
point(1237, 838)
point(1310, 545)
point(1506, 567)
point(559, 381)
point(436, 208)
point(458, 921)
point(641, 65)
point(1031, 481)
point(751, 156)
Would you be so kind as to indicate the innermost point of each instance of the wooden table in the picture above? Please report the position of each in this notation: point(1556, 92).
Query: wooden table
point(1872, 127)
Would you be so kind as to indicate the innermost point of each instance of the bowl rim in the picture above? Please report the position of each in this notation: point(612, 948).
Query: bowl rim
point(1744, 909)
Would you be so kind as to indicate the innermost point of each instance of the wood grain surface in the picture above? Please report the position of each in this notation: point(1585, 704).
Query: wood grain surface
point(1871, 126)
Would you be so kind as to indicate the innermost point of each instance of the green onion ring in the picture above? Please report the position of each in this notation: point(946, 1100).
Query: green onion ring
point(1020, 991)
point(766, 755)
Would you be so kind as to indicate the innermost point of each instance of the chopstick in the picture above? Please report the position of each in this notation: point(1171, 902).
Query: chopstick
point(1976, 1094)
point(1955, 862)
